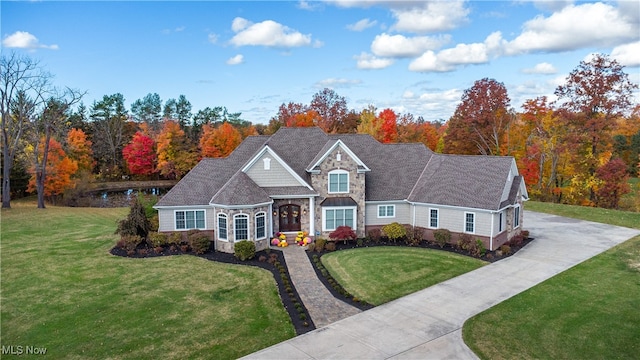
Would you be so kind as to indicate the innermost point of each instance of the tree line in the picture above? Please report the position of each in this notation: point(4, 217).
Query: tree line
point(579, 149)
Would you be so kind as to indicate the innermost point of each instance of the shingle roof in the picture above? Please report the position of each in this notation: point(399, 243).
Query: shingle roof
point(240, 190)
point(466, 181)
point(398, 172)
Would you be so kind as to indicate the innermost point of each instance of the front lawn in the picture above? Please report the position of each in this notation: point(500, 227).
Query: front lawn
point(63, 291)
point(607, 216)
point(590, 311)
point(381, 274)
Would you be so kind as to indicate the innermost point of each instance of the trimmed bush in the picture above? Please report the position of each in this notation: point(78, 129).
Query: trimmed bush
point(374, 235)
point(465, 241)
point(130, 242)
point(157, 239)
point(414, 235)
point(244, 250)
point(442, 237)
point(175, 238)
point(200, 242)
point(319, 244)
point(477, 248)
point(506, 249)
point(394, 231)
point(330, 246)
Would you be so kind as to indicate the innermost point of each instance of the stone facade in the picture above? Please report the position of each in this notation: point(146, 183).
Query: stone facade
point(228, 245)
point(320, 182)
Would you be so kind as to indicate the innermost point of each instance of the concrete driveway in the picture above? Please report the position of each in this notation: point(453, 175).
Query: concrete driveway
point(427, 324)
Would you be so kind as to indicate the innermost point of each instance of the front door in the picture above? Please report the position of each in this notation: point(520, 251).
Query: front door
point(289, 218)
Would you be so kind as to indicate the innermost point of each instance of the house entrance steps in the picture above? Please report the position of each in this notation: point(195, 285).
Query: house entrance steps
point(323, 307)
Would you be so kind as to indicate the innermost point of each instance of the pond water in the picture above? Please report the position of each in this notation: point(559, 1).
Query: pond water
point(115, 198)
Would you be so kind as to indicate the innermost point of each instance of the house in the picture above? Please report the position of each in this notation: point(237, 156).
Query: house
point(302, 179)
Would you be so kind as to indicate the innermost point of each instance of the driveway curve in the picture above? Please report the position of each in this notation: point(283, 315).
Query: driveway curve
point(427, 324)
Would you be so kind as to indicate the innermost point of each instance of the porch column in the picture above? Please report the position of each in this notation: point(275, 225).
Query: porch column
point(270, 217)
point(312, 216)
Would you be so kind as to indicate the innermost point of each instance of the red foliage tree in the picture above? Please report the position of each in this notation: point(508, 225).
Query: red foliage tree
point(614, 178)
point(140, 155)
point(220, 141)
point(389, 126)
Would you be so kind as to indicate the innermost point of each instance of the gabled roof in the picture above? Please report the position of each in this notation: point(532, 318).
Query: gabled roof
point(267, 149)
point(331, 145)
point(240, 190)
point(463, 180)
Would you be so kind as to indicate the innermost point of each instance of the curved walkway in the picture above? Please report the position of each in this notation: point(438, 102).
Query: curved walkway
point(428, 324)
point(323, 307)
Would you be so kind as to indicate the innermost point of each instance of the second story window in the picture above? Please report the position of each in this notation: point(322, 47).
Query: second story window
point(338, 181)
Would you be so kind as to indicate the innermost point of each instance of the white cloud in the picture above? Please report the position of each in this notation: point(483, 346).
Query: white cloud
point(541, 68)
point(574, 27)
point(551, 5)
point(460, 55)
point(627, 54)
point(430, 17)
point(337, 83)
point(267, 33)
point(362, 25)
point(368, 61)
point(213, 38)
point(238, 59)
point(25, 40)
point(401, 46)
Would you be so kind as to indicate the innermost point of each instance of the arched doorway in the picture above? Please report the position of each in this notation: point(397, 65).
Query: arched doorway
point(289, 218)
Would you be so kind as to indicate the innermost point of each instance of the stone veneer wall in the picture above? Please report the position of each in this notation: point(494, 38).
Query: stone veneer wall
point(228, 246)
point(320, 182)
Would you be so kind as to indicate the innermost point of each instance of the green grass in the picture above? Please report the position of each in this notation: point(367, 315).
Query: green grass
point(381, 274)
point(62, 290)
point(614, 217)
point(591, 311)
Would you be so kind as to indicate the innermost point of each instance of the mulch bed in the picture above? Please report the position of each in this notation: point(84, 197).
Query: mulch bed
point(288, 301)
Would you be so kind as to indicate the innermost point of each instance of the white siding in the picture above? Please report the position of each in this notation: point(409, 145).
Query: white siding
point(403, 214)
point(454, 219)
point(277, 175)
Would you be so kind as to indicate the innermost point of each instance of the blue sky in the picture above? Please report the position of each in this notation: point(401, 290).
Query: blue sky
point(411, 56)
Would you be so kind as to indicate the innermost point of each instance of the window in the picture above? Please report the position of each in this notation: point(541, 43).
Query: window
point(267, 163)
point(261, 230)
point(386, 211)
point(222, 227)
point(338, 181)
point(516, 216)
point(190, 219)
point(500, 221)
point(469, 222)
point(334, 217)
point(433, 218)
point(241, 227)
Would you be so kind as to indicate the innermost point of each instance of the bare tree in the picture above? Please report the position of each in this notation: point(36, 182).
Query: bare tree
point(23, 87)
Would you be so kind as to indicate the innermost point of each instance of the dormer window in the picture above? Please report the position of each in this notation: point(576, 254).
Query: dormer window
point(267, 163)
point(338, 181)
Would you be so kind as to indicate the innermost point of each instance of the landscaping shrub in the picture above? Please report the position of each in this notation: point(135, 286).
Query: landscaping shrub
point(343, 233)
point(442, 237)
point(477, 249)
point(465, 241)
point(414, 235)
point(175, 238)
point(374, 235)
point(330, 246)
point(130, 242)
point(136, 223)
point(200, 242)
point(394, 231)
point(245, 250)
point(156, 239)
point(516, 240)
point(319, 244)
point(506, 249)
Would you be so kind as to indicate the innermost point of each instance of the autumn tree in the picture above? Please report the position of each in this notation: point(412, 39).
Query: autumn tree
point(613, 184)
point(175, 157)
point(24, 85)
point(331, 107)
point(220, 141)
point(594, 95)
point(140, 155)
point(79, 150)
point(388, 127)
point(369, 122)
point(59, 170)
point(480, 122)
